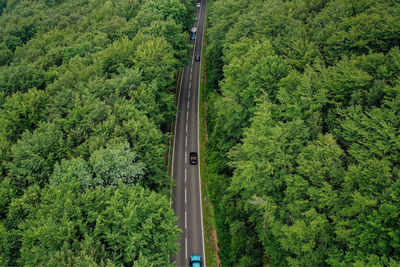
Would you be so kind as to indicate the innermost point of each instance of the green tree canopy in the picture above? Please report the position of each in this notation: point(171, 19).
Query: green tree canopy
point(116, 225)
point(303, 131)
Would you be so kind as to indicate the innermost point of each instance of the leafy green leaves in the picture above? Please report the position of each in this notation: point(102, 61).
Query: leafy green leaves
point(34, 155)
point(20, 79)
point(118, 225)
point(86, 100)
point(303, 116)
point(115, 164)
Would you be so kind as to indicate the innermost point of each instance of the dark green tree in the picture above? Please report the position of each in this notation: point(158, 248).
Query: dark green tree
point(6, 55)
point(34, 156)
point(21, 78)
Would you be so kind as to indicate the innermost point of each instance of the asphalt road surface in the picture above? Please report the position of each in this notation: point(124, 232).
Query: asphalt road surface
point(187, 193)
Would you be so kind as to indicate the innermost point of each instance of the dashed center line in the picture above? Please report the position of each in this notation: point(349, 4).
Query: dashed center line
point(185, 220)
point(185, 248)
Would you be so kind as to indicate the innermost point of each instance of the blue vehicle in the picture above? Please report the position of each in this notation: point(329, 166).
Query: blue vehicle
point(195, 260)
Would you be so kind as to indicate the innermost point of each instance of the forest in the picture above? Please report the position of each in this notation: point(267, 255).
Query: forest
point(86, 103)
point(304, 131)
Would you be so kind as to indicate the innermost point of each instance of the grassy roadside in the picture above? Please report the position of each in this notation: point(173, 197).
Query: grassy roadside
point(210, 235)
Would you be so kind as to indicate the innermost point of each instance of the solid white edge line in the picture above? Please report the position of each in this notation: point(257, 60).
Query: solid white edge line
point(173, 147)
point(176, 122)
point(198, 130)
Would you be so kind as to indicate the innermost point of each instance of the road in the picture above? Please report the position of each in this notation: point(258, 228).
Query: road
point(187, 193)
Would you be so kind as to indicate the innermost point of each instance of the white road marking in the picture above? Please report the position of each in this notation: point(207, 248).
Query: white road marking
point(185, 174)
point(185, 157)
point(185, 203)
point(176, 123)
point(186, 127)
point(186, 141)
point(187, 115)
point(185, 248)
point(198, 135)
point(190, 77)
point(190, 85)
point(188, 104)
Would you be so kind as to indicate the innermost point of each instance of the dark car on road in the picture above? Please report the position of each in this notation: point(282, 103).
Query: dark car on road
point(197, 58)
point(193, 158)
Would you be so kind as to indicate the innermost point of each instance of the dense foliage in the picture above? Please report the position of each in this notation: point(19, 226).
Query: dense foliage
point(304, 120)
point(86, 100)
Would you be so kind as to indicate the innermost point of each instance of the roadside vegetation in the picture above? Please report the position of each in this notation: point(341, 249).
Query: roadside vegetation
point(210, 235)
point(303, 116)
point(86, 100)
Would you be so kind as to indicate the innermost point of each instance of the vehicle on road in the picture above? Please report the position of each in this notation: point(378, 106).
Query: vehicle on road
point(197, 58)
point(198, 4)
point(195, 261)
point(193, 33)
point(193, 158)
